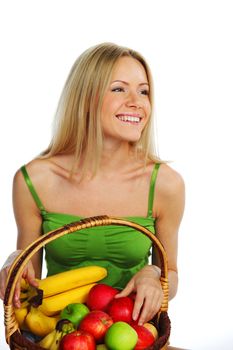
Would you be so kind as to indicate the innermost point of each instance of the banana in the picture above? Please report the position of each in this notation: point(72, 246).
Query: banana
point(38, 323)
point(24, 284)
point(47, 341)
point(53, 339)
point(20, 315)
point(53, 305)
point(64, 281)
point(56, 341)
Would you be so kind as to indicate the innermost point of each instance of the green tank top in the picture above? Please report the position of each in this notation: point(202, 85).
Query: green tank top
point(122, 250)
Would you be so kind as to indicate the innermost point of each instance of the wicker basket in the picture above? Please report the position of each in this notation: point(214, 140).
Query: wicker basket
point(14, 337)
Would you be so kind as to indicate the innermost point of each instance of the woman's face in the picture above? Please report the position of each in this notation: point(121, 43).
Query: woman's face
point(126, 105)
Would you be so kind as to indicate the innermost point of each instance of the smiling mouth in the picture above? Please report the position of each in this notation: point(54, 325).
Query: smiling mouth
point(131, 119)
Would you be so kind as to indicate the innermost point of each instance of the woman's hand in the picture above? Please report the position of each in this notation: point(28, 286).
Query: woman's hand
point(28, 274)
point(149, 293)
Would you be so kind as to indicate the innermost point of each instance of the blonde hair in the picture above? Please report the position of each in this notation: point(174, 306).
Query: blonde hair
point(77, 120)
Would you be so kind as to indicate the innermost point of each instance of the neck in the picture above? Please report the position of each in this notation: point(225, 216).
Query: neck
point(116, 159)
point(115, 156)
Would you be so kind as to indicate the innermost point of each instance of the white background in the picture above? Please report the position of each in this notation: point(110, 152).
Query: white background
point(189, 47)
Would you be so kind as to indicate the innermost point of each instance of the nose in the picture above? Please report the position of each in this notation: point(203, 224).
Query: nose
point(133, 100)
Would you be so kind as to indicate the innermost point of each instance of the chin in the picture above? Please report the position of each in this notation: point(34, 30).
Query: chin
point(134, 138)
point(125, 137)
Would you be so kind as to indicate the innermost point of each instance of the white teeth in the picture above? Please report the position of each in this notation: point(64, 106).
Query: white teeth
point(128, 118)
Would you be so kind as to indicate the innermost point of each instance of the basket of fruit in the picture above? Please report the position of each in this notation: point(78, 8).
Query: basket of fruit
point(74, 310)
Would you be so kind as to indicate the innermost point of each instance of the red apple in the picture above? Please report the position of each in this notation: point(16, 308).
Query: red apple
point(152, 329)
point(121, 309)
point(135, 321)
point(96, 323)
point(78, 340)
point(100, 296)
point(145, 337)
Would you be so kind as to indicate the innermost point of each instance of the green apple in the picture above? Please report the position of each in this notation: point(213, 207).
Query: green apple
point(121, 336)
point(101, 347)
point(74, 313)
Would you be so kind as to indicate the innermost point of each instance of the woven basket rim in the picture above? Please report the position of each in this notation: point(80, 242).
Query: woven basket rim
point(11, 326)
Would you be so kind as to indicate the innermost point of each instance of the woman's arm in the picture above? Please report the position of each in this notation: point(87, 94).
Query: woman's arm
point(169, 206)
point(171, 201)
point(28, 221)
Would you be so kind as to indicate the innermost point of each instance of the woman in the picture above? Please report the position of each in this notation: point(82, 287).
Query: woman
point(101, 162)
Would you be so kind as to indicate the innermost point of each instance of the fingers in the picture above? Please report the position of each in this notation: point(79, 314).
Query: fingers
point(147, 303)
point(139, 300)
point(150, 308)
point(29, 275)
point(3, 279)
point(126, 291)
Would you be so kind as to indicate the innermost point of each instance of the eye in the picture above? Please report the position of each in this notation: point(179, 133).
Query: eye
point(145, 92)
point(117, 89)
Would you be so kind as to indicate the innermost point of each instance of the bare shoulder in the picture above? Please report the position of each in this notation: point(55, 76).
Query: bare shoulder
point(170, 192)
point(39, 171)
point(39, 168)
point(169, 181)
point(46, 177)
point(36, 169)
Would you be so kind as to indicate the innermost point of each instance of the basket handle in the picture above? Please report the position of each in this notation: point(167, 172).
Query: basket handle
point(21, 261)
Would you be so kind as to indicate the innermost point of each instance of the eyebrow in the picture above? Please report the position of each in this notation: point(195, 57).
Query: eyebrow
point(125, 82)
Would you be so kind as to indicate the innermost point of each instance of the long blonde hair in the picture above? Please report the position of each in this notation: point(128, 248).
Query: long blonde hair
point(77, 127)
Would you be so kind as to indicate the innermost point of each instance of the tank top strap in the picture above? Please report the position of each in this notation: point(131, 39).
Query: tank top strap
point(152, 189)
point(32, 189)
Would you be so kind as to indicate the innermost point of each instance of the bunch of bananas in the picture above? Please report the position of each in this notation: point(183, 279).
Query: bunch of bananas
point(40, 307)
point(52, 340)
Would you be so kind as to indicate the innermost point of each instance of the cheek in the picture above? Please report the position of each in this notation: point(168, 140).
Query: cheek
point(148, 109)
point(111, 106)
